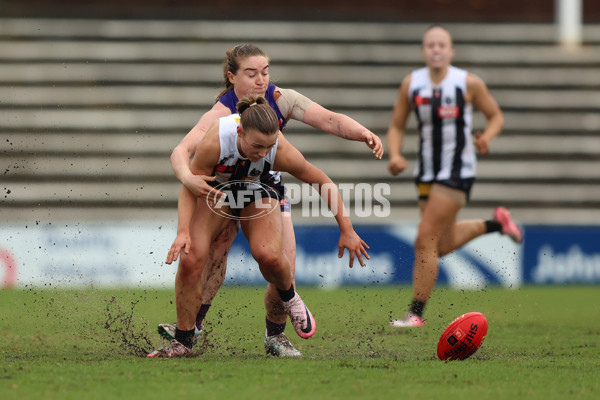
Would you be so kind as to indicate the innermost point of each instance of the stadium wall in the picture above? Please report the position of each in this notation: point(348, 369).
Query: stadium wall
point(132, 255)
point(309, 10)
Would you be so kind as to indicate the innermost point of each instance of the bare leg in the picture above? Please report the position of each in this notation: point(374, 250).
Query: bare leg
point(439, 234)
point(213, 275)
point(438, 216)
point(460, 234)
point(273, 303)
point(204, 227)
point(264, 235)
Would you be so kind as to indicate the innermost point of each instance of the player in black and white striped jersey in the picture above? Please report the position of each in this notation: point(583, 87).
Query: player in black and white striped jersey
point(443, 98)
point(243, 150)
point(246, 71)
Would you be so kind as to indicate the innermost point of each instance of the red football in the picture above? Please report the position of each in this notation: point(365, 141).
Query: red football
point(462, 337)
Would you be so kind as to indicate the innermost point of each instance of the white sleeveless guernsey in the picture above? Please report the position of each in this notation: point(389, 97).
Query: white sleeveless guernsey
point(233, 166)
point(446, 151)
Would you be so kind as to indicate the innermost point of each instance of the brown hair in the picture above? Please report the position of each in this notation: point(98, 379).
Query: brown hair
point(232, 60)
point(256, 114)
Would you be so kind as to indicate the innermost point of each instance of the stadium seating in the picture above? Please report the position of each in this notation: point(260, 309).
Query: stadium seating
point(91, 109)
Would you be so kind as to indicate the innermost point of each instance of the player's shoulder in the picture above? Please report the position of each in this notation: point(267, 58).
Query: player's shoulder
point(285, 93)
point(220, 110)
point(228, 121)
point(417, 77)
point(419, 73)
point(474, 81)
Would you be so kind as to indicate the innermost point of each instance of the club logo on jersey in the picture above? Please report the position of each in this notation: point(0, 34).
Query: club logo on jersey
point(448, 112)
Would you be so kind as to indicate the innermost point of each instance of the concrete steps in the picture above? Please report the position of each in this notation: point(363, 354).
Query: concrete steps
point(91, 109)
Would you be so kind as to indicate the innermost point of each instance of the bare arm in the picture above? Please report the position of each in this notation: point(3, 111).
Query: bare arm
point(180, 157)
point(186, 205)
point(206, 157)
point(479, 95)
point(290, 160)
point(343, 126)
point(397, 128)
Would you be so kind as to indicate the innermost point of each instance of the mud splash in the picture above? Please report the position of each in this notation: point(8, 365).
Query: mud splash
point(131, 337)
point(123, 331)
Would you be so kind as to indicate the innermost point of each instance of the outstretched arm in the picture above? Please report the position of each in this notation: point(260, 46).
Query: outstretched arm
point(343, 126)
point(290, 160)
point(206, 157)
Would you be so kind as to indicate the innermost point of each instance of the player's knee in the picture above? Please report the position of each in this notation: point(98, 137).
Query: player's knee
point(426, 239)
point(269, 259)
point(192, 264)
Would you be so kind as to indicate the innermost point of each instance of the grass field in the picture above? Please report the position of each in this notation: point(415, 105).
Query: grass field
point(542, 343)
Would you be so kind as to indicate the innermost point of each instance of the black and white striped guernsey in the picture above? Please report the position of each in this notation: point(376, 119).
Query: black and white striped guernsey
point(446, 149)
point(233, 166)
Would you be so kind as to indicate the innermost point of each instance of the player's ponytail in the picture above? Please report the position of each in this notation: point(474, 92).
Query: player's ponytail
point(257, 114)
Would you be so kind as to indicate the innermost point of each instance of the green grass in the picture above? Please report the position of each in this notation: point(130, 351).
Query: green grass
point(542, 343)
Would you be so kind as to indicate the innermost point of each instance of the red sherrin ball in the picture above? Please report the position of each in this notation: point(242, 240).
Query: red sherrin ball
point(462, 337)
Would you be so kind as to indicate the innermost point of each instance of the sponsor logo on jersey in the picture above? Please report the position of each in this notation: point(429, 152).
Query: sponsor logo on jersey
point(448, 112)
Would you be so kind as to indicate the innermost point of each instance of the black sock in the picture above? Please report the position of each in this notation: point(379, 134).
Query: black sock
point(492, 226)
point(417, 307)
point(186, 338)
point(273, 328)
point(201, 315)
point(287, 295)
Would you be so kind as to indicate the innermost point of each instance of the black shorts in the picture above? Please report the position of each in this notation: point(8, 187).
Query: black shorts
point(240, 197)
point(243, 202)
point(464, 185)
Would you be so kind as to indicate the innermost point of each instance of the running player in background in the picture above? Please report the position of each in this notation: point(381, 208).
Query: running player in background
point(243, 149)
point(246, 71)
point(443, 98)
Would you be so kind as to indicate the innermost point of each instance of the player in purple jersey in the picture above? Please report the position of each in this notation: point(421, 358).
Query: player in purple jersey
point(443, 98)
point(246, 71)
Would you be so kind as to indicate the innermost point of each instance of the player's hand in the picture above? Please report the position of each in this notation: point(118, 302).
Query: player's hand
point(198, 185)
point(182, 242)
point(482, 143)
point(374, 143)
point(396, 165)
point(355, 245)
